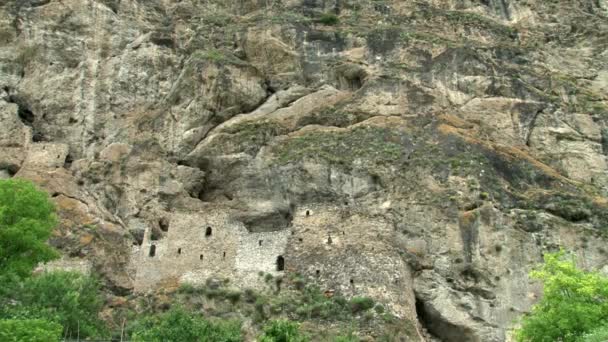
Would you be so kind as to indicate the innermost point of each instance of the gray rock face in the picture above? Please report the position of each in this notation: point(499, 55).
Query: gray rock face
point(423, 154)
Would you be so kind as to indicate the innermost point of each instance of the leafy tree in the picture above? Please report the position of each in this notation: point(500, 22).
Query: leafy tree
point(27, 218)
point(597, 335)
point(30, 330)
point(178, 325)
point(574, 302)
point(68, 298)
point(282, 331)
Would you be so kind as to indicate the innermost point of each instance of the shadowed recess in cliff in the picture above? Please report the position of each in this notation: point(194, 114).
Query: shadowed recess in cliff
point(267, 221)
point(439, 327)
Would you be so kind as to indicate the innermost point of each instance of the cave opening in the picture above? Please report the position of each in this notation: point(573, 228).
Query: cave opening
point(26, 116)
point(69, 159)
point(438, 326)
point(163, 223)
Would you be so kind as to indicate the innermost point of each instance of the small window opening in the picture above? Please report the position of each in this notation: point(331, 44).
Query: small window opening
point(280, 263)
point(300, 239)
point(200, 257)
point(318, 273)
point(152, 251)
point(260, 242)
point(179, 251)
point(329, 240)
point(352, 282)
point(208, 232)
point(224, 255)
point(307, 212)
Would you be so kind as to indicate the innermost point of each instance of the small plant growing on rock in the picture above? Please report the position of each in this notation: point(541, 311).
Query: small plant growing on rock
point(329, 19)
point(359, 304)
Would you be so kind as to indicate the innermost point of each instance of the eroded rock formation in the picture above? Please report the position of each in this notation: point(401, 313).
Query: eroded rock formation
point(425, 154)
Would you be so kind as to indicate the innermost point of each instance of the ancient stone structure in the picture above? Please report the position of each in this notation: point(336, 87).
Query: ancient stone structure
point(201, 246)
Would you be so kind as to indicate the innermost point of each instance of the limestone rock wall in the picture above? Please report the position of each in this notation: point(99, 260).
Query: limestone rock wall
point(439, 147)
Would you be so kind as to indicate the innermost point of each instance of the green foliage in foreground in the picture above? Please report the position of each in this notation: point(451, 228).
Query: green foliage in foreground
point(575, 302)
point(597, 335)
point(70, 299)
point(27, 218)
point(282, 331)
point(178, 325)
point(29, 330)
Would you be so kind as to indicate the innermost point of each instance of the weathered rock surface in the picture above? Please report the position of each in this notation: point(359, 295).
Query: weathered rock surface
point(425, 154)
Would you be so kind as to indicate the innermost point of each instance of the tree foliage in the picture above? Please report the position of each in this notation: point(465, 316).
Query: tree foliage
point(30, 330)
point(598, 335)
point(68, 298)
point(574, 302)
point(27, 218)
point(178, 325)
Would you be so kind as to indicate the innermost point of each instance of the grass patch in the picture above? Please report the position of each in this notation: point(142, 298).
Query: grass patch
point(373, 144)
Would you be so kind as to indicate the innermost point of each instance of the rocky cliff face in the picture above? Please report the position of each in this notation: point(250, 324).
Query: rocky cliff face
point(423, 153)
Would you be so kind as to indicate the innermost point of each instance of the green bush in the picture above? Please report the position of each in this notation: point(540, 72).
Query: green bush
point(233, 296)
point(329, 19)
point(574, 302)
point(29, 330)
point(68, 298)
point(27, 218)
point(178, 325)
point(358, 304)
point(282, 331)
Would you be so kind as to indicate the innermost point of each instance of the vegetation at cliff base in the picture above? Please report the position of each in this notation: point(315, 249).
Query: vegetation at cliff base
point(27, 218)
point(49, 305)
point(574, 306)
point(57, 305)
point(180, 325)
point(31, 330)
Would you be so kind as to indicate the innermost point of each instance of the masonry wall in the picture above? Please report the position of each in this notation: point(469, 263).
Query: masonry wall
point(189, 254)
point(342, 251)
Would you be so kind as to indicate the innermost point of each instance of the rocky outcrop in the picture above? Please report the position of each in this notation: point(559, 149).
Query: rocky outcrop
point(425, 154)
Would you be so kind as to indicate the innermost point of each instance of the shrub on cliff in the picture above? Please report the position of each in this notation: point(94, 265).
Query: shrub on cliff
point(282, 331)
point(27, 218)
point(574, 302)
